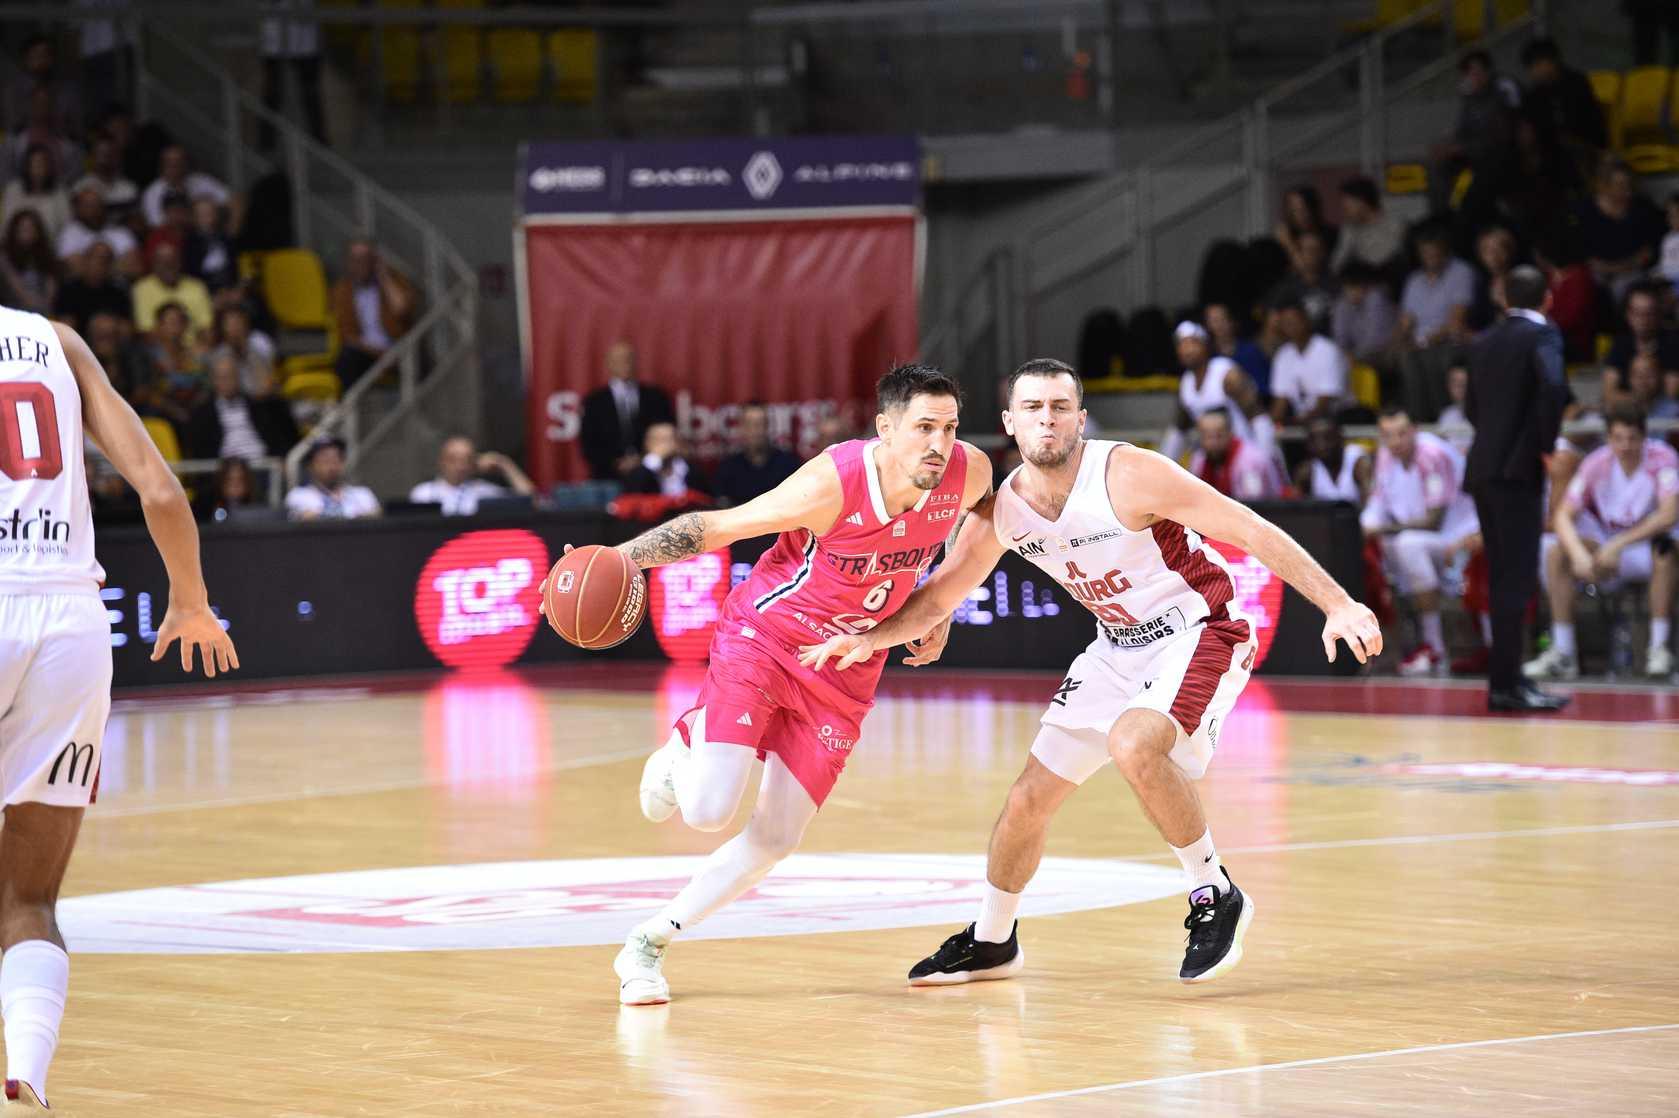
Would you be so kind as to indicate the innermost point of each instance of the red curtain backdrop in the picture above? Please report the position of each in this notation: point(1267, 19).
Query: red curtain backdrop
point(804, 315)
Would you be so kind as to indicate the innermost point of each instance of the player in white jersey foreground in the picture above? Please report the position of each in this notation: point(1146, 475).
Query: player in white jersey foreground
point(1121, 529)
point(55, 650)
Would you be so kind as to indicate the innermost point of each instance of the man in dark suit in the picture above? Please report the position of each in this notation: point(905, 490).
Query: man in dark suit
point(1517, 390)
point(616, 417)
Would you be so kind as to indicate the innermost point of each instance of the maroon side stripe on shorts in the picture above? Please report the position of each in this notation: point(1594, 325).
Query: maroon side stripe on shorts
point(1204, 576)
point(1212, 658)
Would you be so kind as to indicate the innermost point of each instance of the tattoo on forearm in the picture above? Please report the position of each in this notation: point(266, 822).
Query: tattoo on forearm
point(671, 542)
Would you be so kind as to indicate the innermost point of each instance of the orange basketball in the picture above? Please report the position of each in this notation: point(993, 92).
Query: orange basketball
point(595, 597)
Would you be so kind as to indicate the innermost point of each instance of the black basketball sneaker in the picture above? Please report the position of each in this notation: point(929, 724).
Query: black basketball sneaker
point(1217, 921)
point(962, 958)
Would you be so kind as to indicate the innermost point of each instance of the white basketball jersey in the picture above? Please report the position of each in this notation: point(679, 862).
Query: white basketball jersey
point(1197, 400)
point(46, 521)
point(1344, 485)
point(1142, 586)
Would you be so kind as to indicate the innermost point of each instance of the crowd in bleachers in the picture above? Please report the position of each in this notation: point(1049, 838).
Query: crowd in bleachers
point(1347, 318)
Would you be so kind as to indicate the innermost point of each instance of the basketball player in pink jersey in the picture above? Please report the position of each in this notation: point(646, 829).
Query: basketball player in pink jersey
point(55, 650)
point(1121, 529)
point(859, 524)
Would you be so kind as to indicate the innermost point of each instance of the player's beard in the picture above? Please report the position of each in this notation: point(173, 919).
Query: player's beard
point(1052, 456)
point(926, 479)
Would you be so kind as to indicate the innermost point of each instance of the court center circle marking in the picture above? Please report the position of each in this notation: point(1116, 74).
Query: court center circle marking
point(572, 903)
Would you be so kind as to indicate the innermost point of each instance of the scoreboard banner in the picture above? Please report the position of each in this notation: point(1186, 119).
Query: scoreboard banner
point(461, 593)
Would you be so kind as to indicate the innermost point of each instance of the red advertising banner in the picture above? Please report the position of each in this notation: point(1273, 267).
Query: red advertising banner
point(803, 313)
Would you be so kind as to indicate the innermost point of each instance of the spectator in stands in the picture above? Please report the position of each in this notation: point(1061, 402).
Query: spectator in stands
point(1538, 194)
point(460, 482)
point(107, 50)
point(664, 470)
point(1364, 319)
point(41, 133)
point(1573, 294)
point(92, 225)
point(97, 290)
point(327, 496)
point(1303, 213)
point(175, 175)
point(1667, 265)
point(1433, 320)
point(1419, 510)
point(232, 495)
point(1644, 334)
point(38, 188)
point(168, 284)
point(137, 163)
point(1253, 354)
point(1369, 234)
point(125, 365)
point(1332, 471)
point(757, 465)
point(616, 416)
point(104, 171)
point(27, 264)
point(208, 253)
point(1482, 143)
point(1309, 376)
point(1615, 526)
point(177, 222)
point(291, 36)
point(113, 501)
point(1212, 381)
point(1231, 465)
point(40, 72)
point(1560, 101)
point(1666, 405)
point(1619, 230)
point(1456, 428)
point(252, 350)
point(1309, 281)
point(831, 429)
point(231, 424)
point(177, 366)
point(374, 305)
point(1495, 250)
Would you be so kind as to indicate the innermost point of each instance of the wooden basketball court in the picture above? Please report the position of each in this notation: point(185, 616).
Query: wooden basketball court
point(1455, 914)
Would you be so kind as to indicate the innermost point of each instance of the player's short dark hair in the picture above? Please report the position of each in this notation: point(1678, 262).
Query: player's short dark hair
point(1525, 287)
point(1360, 274)
point(1541, 49)
point(1394, 411)
point(904, 383)
point(1433, 233)
point(1364, 189)
point(1629, 415)
point(1047, 367)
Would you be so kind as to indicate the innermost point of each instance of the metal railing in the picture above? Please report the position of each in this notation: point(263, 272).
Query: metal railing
point(1218, 180)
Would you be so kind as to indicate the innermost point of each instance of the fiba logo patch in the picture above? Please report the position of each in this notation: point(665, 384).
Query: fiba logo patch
point(563, 583)
point(762, 175)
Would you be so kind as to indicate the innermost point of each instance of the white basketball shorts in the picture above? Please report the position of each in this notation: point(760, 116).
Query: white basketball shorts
point(55, 695)
point(1193, 678)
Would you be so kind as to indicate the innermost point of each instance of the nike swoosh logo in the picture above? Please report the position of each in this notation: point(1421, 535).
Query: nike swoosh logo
point(1020, 537)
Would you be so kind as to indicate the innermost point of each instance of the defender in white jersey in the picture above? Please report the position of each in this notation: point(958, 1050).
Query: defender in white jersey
point(55, 650)
point(1121, 529)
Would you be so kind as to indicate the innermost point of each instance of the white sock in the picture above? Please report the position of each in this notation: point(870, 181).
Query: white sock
point(1562, 637)
point(33, 978)
point(1660, 630)
point(1432, 634)
point(1200, 861)
point(996, 915)
point(1486, 628)
point(661, 929)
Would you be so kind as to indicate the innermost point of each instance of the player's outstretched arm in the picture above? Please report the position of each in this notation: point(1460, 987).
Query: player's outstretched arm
point(123, 438)
point(1143, 484)
point(977, 551)
point(812, 498)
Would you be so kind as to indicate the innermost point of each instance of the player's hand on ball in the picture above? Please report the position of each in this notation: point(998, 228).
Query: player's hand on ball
point(196, 627)
point(929, 646)
point(844, 651)
point(1355, 624)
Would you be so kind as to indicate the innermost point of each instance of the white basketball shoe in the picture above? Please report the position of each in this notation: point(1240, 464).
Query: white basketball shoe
point(1552, 664)
point(1659, 665)
point(641, 978)
point(658, 780)
point(21, 1096)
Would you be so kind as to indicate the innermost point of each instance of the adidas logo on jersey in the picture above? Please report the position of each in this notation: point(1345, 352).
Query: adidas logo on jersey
point(855, 518)
point(744, 720)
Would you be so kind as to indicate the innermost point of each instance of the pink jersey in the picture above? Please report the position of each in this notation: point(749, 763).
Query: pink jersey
point(1620, 501)
point(808, 588)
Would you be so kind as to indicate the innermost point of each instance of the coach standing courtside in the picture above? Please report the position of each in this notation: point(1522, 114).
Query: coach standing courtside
point(1517, 389)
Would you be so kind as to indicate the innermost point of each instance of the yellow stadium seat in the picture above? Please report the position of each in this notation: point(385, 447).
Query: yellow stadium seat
point(1643, 101)
point(461, 65)
point(400, 47)
point(1367, 386)
point(163, 435)
point(516, 56)
point(316, 385)
point(294, 285)
point(1387, 12)
point(573, 54)
point(1407, 178)
point(1606, 87)
point(1468, 15)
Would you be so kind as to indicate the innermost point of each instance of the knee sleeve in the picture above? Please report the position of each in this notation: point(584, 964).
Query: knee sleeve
point(710, 784)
